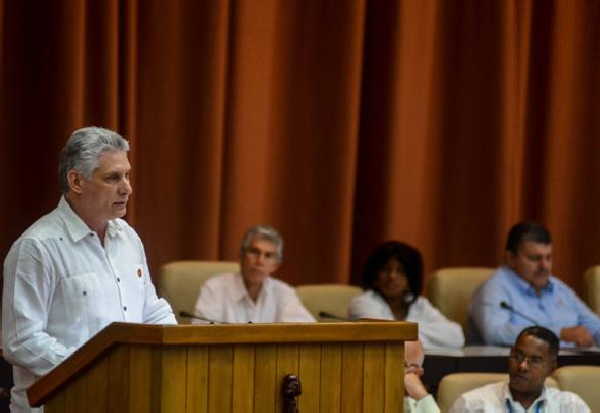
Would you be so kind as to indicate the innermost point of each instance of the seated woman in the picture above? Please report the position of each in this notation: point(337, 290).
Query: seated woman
point(393, 278)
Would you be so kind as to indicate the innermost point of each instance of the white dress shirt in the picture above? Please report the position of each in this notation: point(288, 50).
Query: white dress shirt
point(435, 330)
point(224, 298)
point(496, 398)
point(61, 286)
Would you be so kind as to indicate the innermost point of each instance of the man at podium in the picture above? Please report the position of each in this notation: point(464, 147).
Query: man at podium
point(252, 295)
point(79, 268)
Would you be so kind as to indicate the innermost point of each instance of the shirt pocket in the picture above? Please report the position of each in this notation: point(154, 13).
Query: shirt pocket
point(82, 293)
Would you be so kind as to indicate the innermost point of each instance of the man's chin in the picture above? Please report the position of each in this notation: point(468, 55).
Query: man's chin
point(119, 211)
point(255, 278)
point(519, 383)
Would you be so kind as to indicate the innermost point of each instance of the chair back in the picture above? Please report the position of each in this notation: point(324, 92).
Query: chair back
point(455, 384)
point(450, 290)
point(583, 380)
point(330, 298)
point(179, 282)
point(592, 288)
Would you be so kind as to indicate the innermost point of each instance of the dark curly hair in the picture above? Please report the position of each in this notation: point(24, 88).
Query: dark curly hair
point(409, 257)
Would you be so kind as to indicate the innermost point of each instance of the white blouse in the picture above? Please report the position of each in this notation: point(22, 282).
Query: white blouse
point(435, 330)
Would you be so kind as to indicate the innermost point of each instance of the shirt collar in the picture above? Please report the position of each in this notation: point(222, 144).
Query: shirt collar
point(240, 292)
point(524, 286)
point(510, 402)
point(77, 229)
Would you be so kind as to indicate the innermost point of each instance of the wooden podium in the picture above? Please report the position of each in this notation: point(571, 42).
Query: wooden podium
point(342, 367)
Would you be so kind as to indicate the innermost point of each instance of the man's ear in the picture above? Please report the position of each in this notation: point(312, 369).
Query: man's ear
point(75, 180)
point(553, 364)
point(509, 258)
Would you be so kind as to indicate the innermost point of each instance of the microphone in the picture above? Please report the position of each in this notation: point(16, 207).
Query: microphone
point(324, 314)
point(510, 308)
point(190, 315)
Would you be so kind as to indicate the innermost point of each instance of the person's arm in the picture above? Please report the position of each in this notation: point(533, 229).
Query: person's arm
point(587, 318)
point(435, 327)
point(493, 322)
point(567, 401)
point(424, 402)
point(293, 311)
point(29, 285)
point(209, 303)
point(156, 310)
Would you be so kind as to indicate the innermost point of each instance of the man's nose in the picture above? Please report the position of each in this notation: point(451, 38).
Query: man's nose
point(125, 188)
point(260, 258)
point(524, 365)
point(545, 263)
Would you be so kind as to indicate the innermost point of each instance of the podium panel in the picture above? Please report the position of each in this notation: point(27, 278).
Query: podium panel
point(342, 367)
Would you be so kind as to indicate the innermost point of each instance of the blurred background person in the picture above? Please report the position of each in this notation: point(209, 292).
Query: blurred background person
point(252, 295)
point(393, 280)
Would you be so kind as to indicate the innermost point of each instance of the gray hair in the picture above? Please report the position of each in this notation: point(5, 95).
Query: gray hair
point(83, 150)
point(263, 232)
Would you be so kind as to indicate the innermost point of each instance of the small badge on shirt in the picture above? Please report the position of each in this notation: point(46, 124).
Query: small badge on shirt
point(139, 272)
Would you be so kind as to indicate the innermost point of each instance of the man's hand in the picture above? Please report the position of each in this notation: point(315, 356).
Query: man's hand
point(578, 335)
point(414, 386)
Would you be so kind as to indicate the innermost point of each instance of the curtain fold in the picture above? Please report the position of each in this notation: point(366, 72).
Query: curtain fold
point(342, 124)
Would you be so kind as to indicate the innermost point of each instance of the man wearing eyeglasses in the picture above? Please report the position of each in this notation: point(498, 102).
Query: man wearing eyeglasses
point(252, 295)
point(532, 359)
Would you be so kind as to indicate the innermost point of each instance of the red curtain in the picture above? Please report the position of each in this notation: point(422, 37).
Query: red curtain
point(342, 123)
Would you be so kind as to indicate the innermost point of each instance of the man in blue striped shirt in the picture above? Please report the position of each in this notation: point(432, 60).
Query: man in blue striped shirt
point(523, 293)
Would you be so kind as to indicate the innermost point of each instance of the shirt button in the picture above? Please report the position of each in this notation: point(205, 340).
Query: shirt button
point(125, 308)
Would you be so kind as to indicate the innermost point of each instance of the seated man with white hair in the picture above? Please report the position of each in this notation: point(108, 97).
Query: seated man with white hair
point(252, 295)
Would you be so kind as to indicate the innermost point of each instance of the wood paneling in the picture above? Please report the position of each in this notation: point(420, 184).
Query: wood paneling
point(265, 382)
point(394, 377)
point(174, 374)
point(287, 363)
point(374, 376)
point(161, 377)
point(119, 378)
point(144, 379)
point(331, 378)
point(309, 368)
point(220, 379)
point(352, 377)
point(197, 380)
point(56, 405)
point(243, 378)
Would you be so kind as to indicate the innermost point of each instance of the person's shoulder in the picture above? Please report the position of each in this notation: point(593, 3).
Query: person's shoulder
point(47, 226)
point(119, 224)
point(225, 279)
point(564, 397)
point(365, 296)
point(559, 284)
point(422, 302)
point(487, 391)
point(498, 280)
point(280, 286)
point(366, 299)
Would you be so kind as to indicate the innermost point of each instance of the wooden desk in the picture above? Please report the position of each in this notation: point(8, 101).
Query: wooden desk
point(343, 367)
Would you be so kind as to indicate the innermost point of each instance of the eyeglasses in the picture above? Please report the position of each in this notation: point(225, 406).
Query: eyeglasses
point(533, 361)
